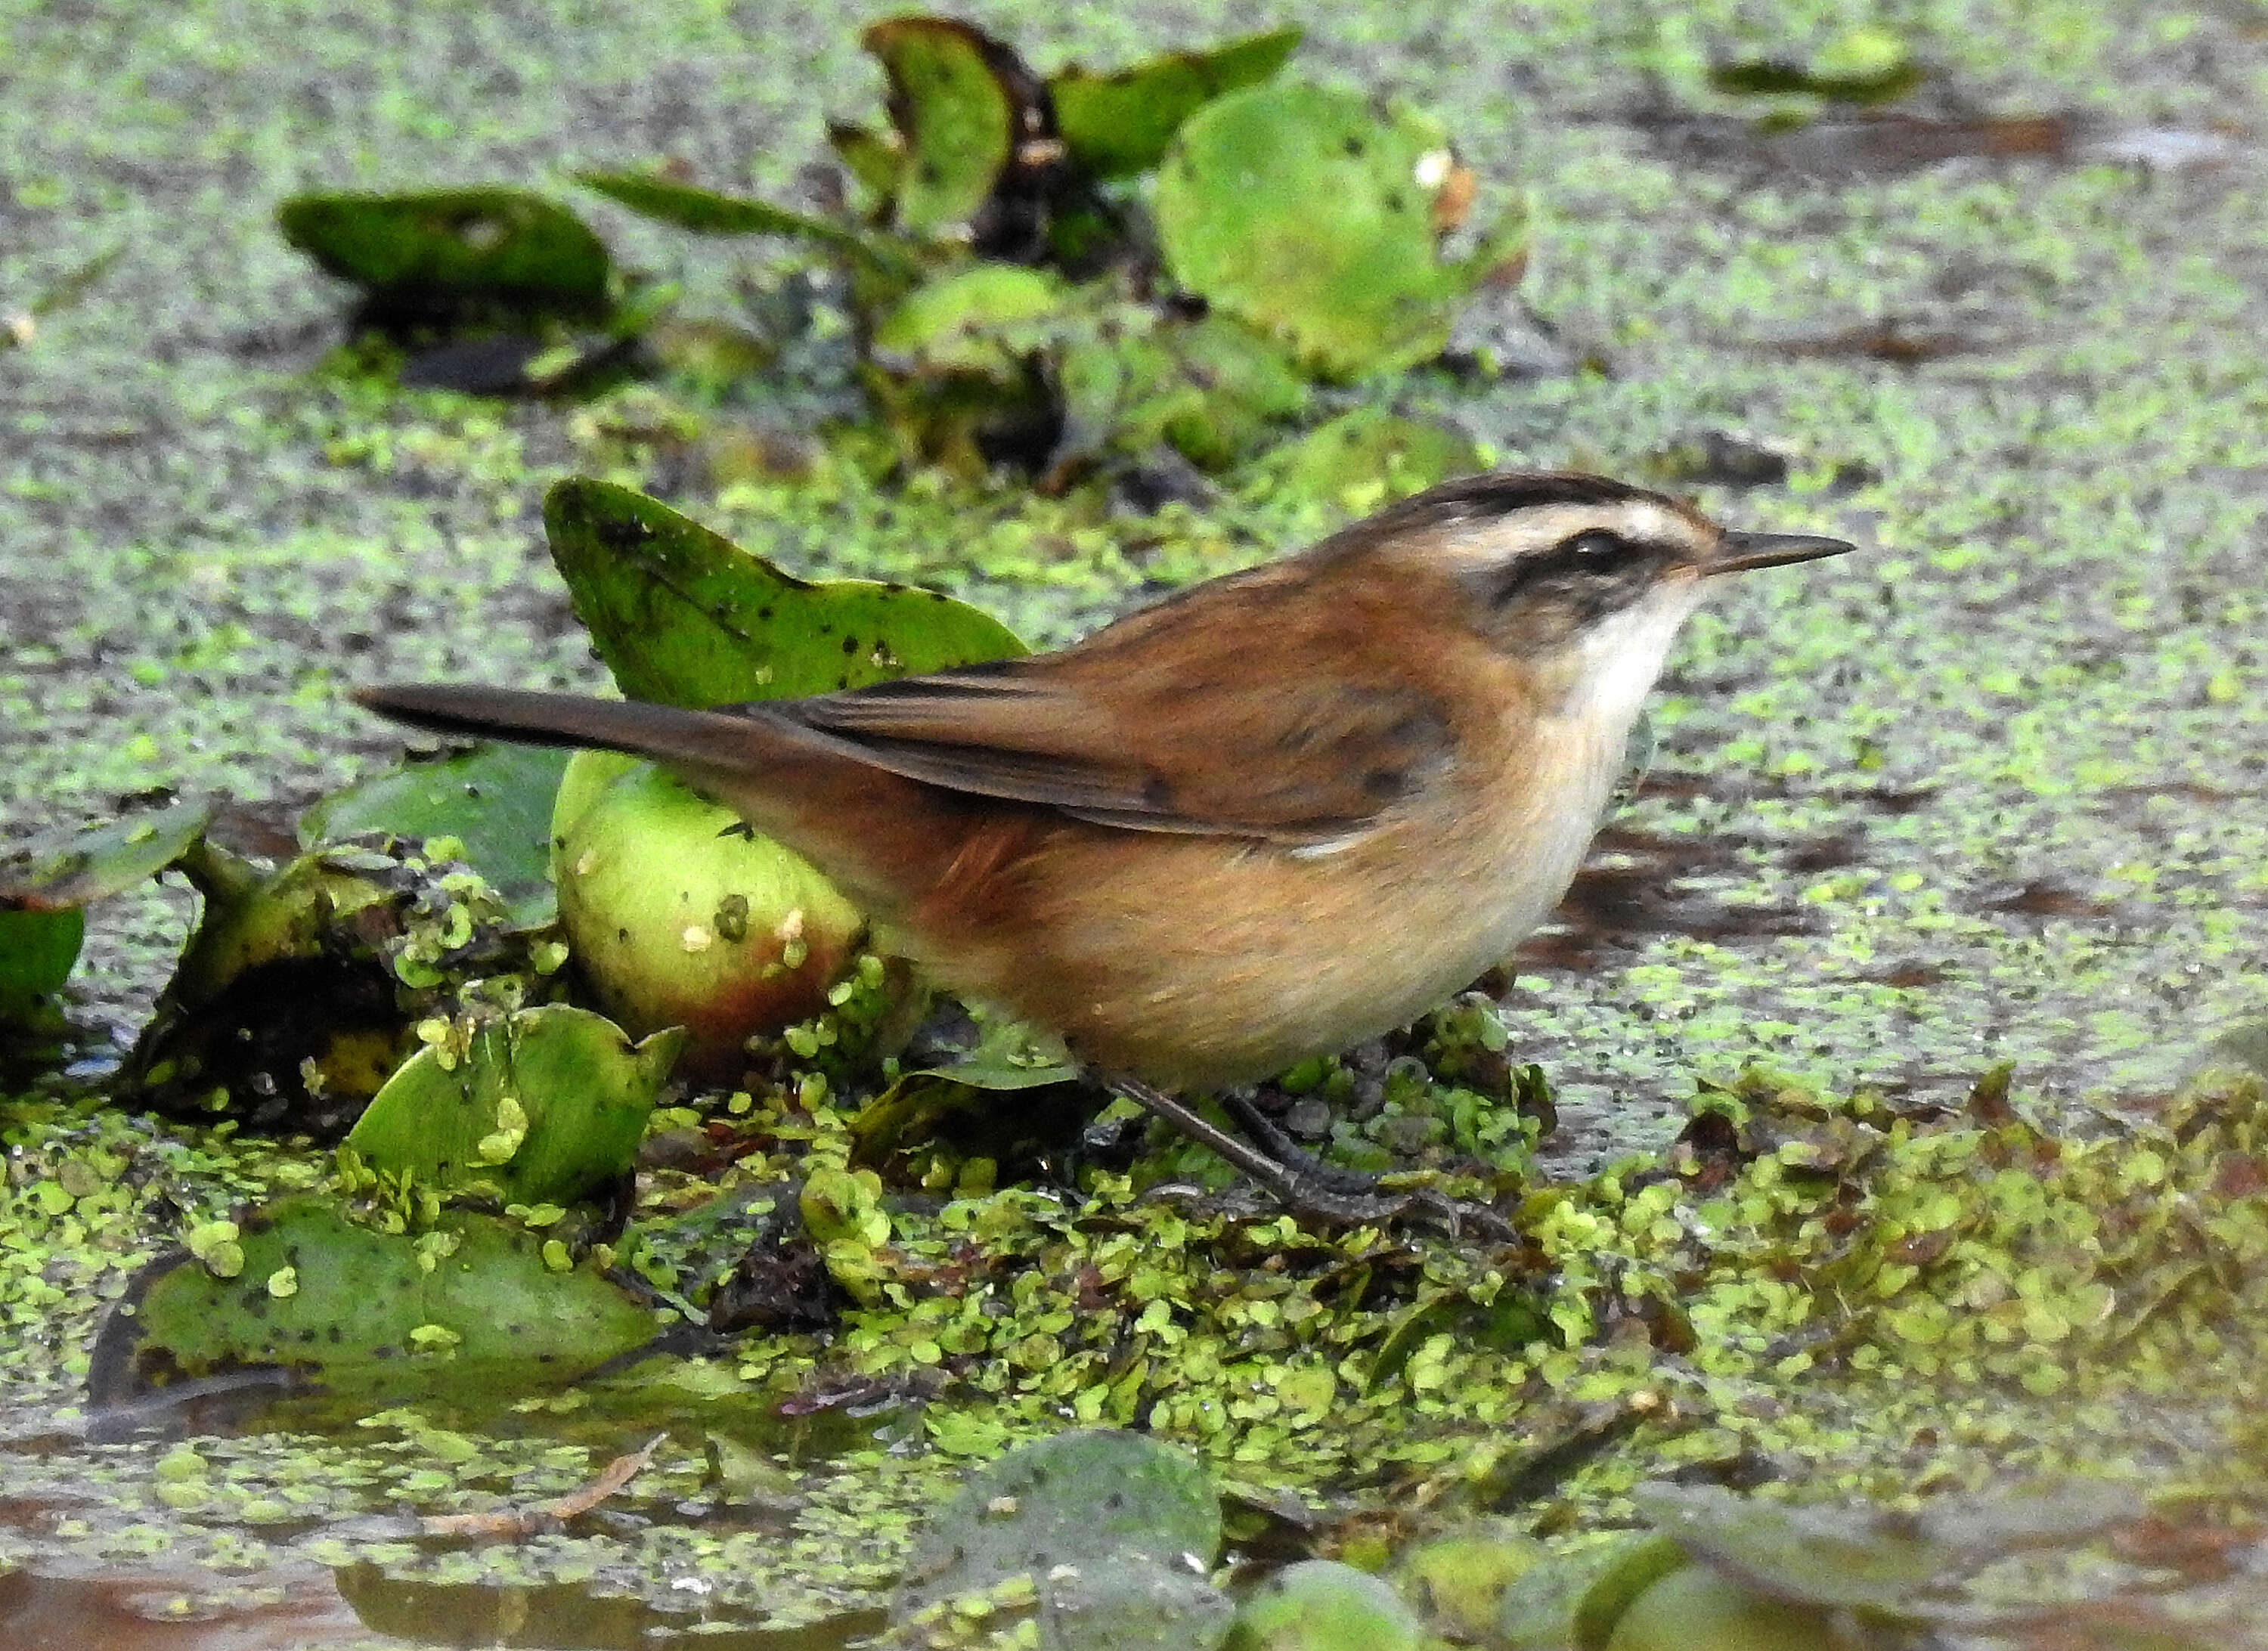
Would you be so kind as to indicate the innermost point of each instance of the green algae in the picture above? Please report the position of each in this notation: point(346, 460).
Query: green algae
point(1906, 1304)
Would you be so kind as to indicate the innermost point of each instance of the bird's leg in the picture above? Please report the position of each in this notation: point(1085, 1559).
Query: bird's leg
point(1269, 1137)
point(1306, 1185)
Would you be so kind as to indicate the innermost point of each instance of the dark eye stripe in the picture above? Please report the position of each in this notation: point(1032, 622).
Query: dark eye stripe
point(1591, 561)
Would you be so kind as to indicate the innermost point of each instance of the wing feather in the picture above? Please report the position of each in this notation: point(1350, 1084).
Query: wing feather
point(1226, 735)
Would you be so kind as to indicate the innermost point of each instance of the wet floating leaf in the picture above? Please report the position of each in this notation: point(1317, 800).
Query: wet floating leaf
point(956, 96)
point(1459, 1579)
point(45, 882)
point(1104, 1537)
point(547, 1106)
point(296, 993)
point(1576, 1599)
point(710, 212)
point(684, 617)
point(1856, 1558)
point(455, 255)
point(958, 372)
point(59, 870)
point(980, 163)
point(1777, 1573)
point(37, 950)
point(1321, 1606)
point(872, 159)
point(704, 211)
point(494, 799)
point(1363, 459)
point(1311, 214)
point(1211, 388)
point(984, 320)
point(1118, 124)
point(918, 1104)
point(1860, 65)
point(360, 1298)
point(1697, 1608)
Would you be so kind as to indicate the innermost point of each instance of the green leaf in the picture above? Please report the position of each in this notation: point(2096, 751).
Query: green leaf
point(58, 870)
point(1211, 387)
point(979, 320)
point(708, 212)
point(949, 101)
point(1007, 1056)
point(1310, 214)
point(1363, 459)
point(704, 211)
point(1105, 1535)
point(439, 247)
point(1882, 1562)
point(1458, 1579)
point(37, 950)
point(1855, 1557)
point(871, 158)
point(683, 616)
point(350, 1301)
point(1321, 1606)
point(1118, 124)
point(917, 1103)
point(548, 1106)
point(496, 799)
point(1575, 1599)
point(1697, 1608)
point(1863, 65)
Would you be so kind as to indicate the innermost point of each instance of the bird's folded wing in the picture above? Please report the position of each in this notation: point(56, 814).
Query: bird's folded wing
point(1219, 745)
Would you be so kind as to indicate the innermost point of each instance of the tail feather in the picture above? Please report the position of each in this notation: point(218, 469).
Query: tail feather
point(887, 840)
point(733, 740)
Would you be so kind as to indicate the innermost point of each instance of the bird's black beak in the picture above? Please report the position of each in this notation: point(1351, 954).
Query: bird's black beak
point(1737, 552)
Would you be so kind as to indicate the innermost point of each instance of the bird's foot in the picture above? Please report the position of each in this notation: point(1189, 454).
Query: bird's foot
point(1306, 1185)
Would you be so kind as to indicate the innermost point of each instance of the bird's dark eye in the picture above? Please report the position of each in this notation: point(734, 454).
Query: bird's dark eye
point(1595, 551)
point(1587, 570)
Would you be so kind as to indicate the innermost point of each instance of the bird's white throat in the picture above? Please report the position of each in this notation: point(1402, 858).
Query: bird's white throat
point(1620, 658)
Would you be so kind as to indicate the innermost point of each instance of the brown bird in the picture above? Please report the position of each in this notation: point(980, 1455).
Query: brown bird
point(1279, 813)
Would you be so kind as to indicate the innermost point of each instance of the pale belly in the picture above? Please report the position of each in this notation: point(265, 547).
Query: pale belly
point(1224, 962)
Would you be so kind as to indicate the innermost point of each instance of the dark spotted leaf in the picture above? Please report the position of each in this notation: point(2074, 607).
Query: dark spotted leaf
point(1118, 124)
point(684, 617)
point(496, 799)
point(445, 249)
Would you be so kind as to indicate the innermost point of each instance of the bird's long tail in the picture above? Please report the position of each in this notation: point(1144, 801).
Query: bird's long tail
point(886, 839)
point(732, 740)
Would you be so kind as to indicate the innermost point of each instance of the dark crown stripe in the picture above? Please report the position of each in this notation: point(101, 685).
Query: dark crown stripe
point(1502, 494)
point(1478, 497)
